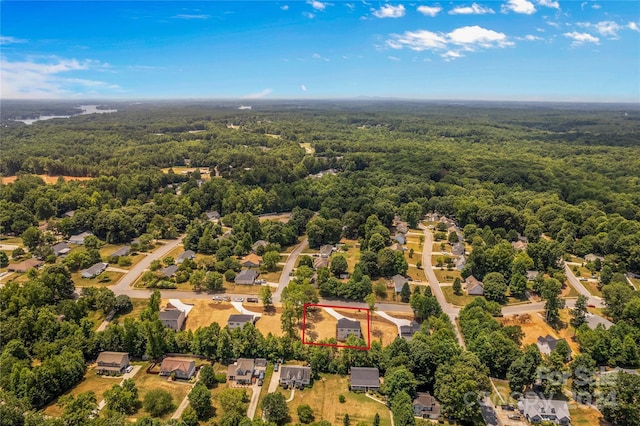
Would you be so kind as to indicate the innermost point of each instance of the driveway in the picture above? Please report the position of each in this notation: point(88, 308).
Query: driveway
point(242, 310)
point(397, 321)
point(275, 381)
point(253, 404)
point(336, 315)
point(288, 268)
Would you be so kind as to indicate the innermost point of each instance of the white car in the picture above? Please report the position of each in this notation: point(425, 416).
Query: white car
point(130, 369)
point(239, 299)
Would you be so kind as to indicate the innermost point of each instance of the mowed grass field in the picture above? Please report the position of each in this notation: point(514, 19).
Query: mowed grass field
point(323, 399)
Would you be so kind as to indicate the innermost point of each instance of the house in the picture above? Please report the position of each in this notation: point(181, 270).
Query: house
point(247, 276)
point(112, 363)
point(320, 262)
point(295, 376)
point(592, 258)
point(519, 245)
point(548, 343)
point(122, 251)
point(252, 261)
point(402, 227)
point(182, 368)
point(261, 363)
point(538, 410)
point(426, 406)
point(460, 263)
point(61, 249)
point(212, 215)
point(94, 270)
point(407, 331)
point(364, 379)
point(25, 265)
point(70, 213)
point(189, 254)
point(400, 238)
point(346, 327)
point(532, 275)
point(398, 282)
point(457, 249)
point(78, 238)
point(326, 250)
point(172, 318)
point(239, 320)
point(170, 271)
point(474, 286)
point(241, 371)
point(258, 244)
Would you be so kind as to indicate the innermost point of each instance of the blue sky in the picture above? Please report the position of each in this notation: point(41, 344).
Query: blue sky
point(504, 50)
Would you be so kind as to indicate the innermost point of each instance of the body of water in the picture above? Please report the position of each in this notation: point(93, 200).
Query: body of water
point(85, 109)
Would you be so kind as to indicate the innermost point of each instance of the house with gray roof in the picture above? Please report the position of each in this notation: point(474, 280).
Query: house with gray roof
point(398, 282)
point(407, 331)
point(460, 262)
point(94, 270)
point(426, 406)
point(212, 215)
point(189, 254)
point(457, 249)
point(400, 238)
point(170, 271)
point(239, 320)
point(112, 363)
point(532, 275)
point(320, 262)
point(295, 376)
point(326, 250)
point(474, 286)
point(594, 320)
point(258, 244)
point(78, 238)
point(364, 379)
point(247, 276)
point(548, 343)
point(122, 251)
point(346, 327)
point(172, 318)
point(61, 249)
point(538, 410)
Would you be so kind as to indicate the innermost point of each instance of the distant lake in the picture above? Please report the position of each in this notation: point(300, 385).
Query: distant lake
point(86, 109)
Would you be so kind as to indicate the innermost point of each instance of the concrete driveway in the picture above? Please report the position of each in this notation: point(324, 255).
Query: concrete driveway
point(253, 404)
point(397, 321)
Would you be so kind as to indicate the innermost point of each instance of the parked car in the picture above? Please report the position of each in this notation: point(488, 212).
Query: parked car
point(239, 299)
point(219, 298)
point(276, 367)
point(226, 298)
point(261, 375)
point(261, 281)
point(129, 369)
point(252, 299)
point(260, 381)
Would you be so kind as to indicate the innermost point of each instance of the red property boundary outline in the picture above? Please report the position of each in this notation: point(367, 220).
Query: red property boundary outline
point(336, 345)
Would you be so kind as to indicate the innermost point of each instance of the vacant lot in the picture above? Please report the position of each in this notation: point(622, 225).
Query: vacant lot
point(352, 253)
point(461, 300)
point(47, 179)
point(205, 312)
point(146, 382)
point(91, 382)
point(269, 322)
point(138, 306)
point(323, 399)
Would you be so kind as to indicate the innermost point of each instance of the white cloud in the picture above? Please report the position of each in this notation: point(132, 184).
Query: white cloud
point(317, 5)
point(303, 87)
point(451, 55)
point(429, 10)
point(530, 37)
point(285, 7)
point(394, 58)
point(191, 16)
point(519, 6)
point(11, 40)
point(390, 11)
point(308, 15)
point(474, 9)
point(581, 38)
point(418, 40)
point(258, 95)
point(318, 56)
point(549, 3)
point(33, 79)
point(633, 26)
point(468, 39)
point(350, 6)
point(478, 36)
point(604, 28)
point(596, 6)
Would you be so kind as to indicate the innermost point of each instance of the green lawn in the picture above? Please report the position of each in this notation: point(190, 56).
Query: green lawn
point(592, 287)
point(106, 278)
point(462, 300)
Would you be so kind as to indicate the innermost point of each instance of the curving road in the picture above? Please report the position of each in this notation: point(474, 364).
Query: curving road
point(575, 282)
point(288, 268)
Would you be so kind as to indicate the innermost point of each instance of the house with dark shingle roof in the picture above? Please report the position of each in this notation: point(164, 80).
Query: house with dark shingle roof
point(61, 249)
point(258, 244)
point(400, 238)
point(548, 343)
point(407, 331)
point(320, 262)
point(398, 282)
point(170, 271)
point(364, 379)
point(122, 251)
point(538, 410)
point(346, 327)
point(172, 318)
point(457, 249)
point(295, 376)
point(212, 215)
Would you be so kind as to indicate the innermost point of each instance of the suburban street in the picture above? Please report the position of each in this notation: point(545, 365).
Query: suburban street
point(288, 268)
point(575, 282)
point(447, 308)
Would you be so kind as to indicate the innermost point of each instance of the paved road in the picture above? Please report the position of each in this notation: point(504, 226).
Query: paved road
point(288, 268)
point(575, 282)
point(123, 286)
point(447, 308)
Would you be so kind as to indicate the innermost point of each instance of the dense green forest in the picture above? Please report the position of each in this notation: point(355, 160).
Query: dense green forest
point(566, 177)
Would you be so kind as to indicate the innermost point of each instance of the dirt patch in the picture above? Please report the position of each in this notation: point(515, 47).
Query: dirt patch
point(533, 326)
point(269, 322)
point(47, 179)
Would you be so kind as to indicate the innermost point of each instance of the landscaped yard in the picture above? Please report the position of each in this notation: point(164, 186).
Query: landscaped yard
point(323, 399)
point(462, 300)
point(107, 278)
point(445, 276)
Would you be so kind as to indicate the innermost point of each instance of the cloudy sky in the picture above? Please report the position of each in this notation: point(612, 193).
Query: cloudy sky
point(512, 49)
